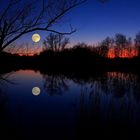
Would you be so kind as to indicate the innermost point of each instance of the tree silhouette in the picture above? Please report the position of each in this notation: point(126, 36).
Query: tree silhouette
point(108, 42)
point(103, 50)
point(129, 46)
point(104, 46)
point(121, 42)
point(56, 42)
point(137, 42)
point(19, 17)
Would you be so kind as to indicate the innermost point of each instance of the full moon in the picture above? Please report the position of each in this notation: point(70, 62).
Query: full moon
point(36, 91)
point(36, 37)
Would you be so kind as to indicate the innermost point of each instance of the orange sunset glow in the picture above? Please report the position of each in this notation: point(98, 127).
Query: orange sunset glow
point(30, 52)
point(125, 53)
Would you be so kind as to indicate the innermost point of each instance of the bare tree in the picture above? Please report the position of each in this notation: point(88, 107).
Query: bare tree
point(103, 50)
point(121, 42)
point(104, 46)
point(137, 42)
point(108, 41)
point(129, 46)
point(19, 17)
point(56, 42)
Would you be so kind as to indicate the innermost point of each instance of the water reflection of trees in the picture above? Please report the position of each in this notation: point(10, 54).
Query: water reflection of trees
point(111, 97)
point(4, 81)
point(55, 85)
point(3, 96)
point(116, 84)
point(113, 102)
point(5, 78)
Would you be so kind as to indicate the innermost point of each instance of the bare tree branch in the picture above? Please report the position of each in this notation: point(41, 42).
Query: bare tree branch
point(21, 17)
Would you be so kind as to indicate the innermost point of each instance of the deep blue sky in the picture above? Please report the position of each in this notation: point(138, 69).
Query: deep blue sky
point(95, 20)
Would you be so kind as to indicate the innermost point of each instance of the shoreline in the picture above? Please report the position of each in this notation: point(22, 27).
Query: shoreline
point(87, 66)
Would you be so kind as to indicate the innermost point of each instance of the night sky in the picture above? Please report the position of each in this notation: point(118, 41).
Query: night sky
point(94, 20)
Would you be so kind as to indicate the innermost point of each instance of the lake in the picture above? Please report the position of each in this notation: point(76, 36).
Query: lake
point(69, 107)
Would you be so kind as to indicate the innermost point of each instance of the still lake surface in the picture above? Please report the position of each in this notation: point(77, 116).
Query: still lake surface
point(69, 108)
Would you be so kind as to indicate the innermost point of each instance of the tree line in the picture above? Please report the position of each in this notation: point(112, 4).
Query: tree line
point(119, 44)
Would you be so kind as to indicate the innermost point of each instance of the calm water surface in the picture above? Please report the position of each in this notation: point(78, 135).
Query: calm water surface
point(69, 108)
